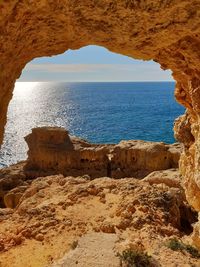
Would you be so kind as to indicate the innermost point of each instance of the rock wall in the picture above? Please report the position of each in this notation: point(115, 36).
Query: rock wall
point(53, 151)
point(166, 31)
point(139, 158)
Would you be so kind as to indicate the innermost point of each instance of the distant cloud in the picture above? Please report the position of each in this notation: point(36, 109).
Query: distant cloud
point(89, 67)
point(62, 68)
point(92, 63)
point(94, 72)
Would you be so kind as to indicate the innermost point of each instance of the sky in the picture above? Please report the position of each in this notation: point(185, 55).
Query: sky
point(92, 63)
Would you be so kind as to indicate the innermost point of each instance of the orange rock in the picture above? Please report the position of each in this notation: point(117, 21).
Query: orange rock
point(39, 237)
point(53, 151)
point(107, 227)
point(166, 31)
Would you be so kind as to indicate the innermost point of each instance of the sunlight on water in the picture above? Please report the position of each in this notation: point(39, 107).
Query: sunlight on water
point(99, 112)
point(33, 105)
point(24, 88)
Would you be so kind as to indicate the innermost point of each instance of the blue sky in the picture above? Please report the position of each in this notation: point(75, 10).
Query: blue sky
point(92, 63)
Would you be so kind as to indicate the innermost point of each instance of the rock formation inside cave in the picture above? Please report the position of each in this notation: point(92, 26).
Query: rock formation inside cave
point(166, 31)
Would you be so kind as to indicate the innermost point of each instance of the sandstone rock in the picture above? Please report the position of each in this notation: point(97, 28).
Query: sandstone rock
point(1, 247)
point(53, 151)
point(12, 178)
point(182, 130)
point(134, 210)
point(107, 227)
point(171, 42)
point(170, 177)
point(12, 198)
point(196, 234)
point(165, 31)
point(139, 158)
point(94, 249)
point(39, 237)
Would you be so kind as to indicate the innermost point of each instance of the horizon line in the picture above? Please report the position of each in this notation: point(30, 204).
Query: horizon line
point(92, 81)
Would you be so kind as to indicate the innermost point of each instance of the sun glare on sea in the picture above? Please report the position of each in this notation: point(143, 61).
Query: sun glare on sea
point(23, 89)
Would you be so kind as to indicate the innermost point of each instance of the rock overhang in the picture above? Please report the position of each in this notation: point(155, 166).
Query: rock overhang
point(166, 31)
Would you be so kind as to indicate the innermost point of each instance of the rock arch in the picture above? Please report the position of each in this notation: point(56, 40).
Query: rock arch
point(166, 31)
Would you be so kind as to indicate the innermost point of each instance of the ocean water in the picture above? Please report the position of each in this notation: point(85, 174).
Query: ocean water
point(98, 112)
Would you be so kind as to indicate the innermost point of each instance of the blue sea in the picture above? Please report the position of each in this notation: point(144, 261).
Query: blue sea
point(98, 112)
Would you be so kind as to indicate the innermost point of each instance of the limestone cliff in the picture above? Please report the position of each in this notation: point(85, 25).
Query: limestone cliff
point(166, 31)
point(72, 219)
point(53, 151)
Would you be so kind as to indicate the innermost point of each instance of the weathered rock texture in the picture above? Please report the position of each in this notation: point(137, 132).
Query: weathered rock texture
point(13, 183)
point(72, 221)
point(139, 158)
point(166, 31)
point(53, 151)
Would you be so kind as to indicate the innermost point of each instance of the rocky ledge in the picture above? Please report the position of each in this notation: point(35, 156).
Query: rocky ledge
point(74, 221)
point(52, 151)
point(53, 212)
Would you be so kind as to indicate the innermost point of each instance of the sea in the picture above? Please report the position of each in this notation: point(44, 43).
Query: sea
point(105, 112)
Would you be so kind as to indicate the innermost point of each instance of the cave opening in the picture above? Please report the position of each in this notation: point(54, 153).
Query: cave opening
point(95, 94)
point(164, 31)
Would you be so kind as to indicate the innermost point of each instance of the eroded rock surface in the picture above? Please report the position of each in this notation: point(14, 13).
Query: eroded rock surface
point(171, 178)
point(53, 151)
point(166, 31)
point(12, 178)
point(59, 218)
point(139, 158)
point(94, 249)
